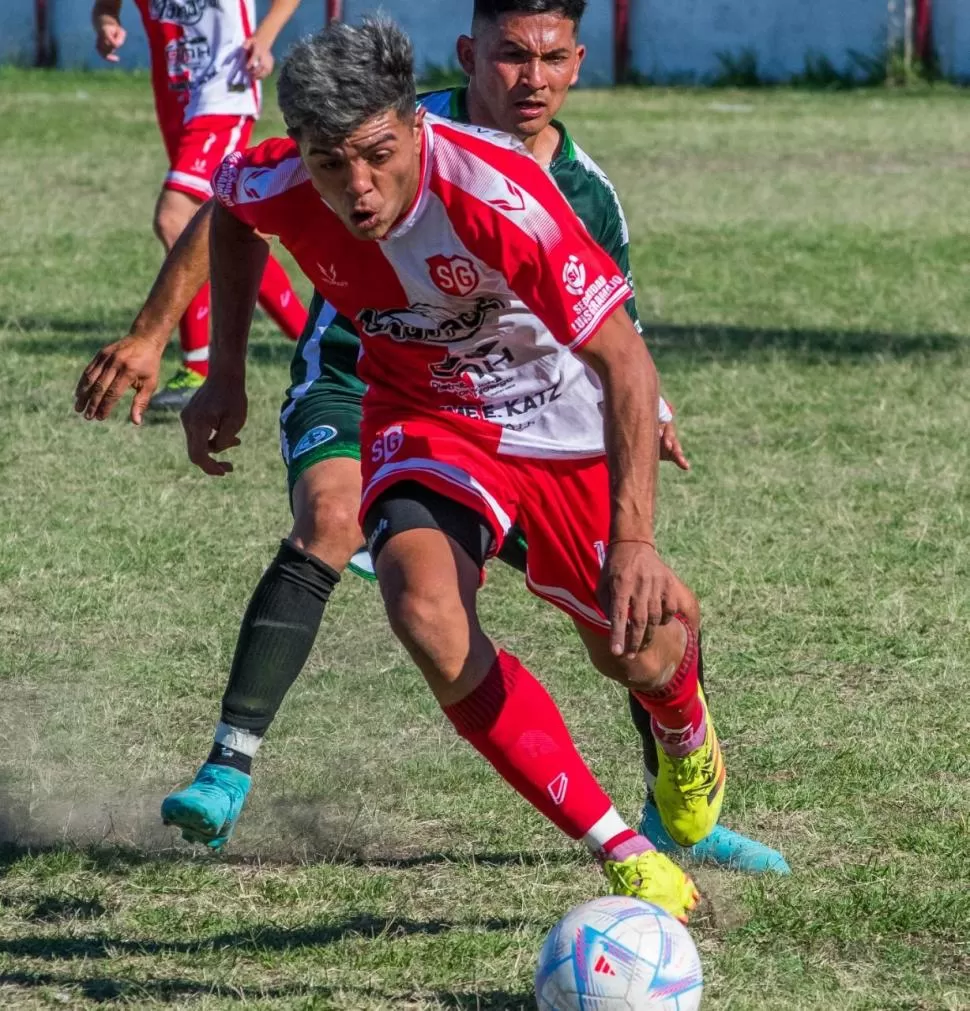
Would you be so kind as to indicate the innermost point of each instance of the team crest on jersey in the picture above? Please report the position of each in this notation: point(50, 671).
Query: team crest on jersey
point(428, 324)
point(454, 275)
point(181, 12)
point(574, 276)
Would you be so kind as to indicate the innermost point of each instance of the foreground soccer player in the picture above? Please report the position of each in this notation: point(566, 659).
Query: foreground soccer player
point(451, 247)
point(207, 63)
point(521, 60)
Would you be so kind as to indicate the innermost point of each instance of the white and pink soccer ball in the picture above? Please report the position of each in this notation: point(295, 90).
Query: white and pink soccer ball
point(619, 954)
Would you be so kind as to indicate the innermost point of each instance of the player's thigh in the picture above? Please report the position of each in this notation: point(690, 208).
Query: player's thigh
point(429, 551)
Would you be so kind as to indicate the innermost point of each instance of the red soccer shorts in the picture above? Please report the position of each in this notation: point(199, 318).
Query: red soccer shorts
point(197, 148)
point(562, 506)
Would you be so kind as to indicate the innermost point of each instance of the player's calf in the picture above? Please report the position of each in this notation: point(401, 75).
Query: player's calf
point(663, 679)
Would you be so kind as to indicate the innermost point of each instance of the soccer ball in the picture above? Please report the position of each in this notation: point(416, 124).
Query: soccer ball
point(618, 954)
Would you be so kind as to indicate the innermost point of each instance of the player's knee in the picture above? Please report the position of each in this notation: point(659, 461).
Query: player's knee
point(329, 531)
point(422, 618)
point(325, 519)
point(653, 666)
point(168, 225)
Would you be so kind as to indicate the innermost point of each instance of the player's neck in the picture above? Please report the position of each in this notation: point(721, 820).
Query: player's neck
point(545, 145)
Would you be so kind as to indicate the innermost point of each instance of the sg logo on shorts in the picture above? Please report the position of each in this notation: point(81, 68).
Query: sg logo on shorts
point(387, 444)
point(315, 437)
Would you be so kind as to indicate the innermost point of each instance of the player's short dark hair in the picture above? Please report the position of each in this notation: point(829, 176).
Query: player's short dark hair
point(331, 83)
point(492, 10)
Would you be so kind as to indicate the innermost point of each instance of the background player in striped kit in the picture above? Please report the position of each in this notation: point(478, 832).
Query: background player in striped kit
point(207, 61)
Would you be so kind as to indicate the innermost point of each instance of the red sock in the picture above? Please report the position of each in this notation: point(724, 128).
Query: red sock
point(194, 333)
point(677, 711)
point(511, 720)
point(280, 302)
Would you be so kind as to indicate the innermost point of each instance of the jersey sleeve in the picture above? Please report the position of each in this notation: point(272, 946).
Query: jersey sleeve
point(510, 213)
point(247, 182)
point(614, 237)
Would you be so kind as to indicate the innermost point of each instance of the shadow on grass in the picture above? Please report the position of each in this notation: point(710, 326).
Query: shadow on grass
point(108, 990)
point(255, 940)
point(701, 341)
point(82, 339)
point(117, 859)
point(713, 342)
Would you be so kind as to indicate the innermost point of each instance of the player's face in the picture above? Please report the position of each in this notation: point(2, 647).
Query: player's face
point(520, 68)
point(369, 180)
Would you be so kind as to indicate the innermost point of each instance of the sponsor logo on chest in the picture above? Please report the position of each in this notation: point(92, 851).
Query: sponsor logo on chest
point(428, 324)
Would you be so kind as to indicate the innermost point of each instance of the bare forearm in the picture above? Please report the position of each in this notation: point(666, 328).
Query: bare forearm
point(185, 271)
point(631, 394)
point(238, 259)
point(276, 18)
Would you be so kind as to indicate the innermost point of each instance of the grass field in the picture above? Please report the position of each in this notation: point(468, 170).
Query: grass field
point(804, 261)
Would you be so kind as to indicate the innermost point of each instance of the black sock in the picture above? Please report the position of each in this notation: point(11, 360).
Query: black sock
point(641, 719)
point(277, 634)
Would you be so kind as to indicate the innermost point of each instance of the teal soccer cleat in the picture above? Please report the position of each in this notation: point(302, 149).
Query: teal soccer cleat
point(722, 847)
point(208, 809)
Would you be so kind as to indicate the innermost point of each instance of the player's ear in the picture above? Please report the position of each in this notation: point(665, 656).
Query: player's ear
point(465, 50)
point(580, 56)
point(419, 115)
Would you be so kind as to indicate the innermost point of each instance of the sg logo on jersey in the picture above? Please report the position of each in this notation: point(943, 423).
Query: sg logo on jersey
point(454, 275)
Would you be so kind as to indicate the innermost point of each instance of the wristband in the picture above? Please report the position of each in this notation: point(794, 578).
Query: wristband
point(633, 540)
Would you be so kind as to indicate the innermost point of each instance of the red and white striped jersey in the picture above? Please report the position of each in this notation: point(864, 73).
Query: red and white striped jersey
point(195, 53)
point(473, 305)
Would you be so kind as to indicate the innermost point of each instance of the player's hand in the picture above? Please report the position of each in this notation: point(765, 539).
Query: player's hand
point(259, 58)
point(638, 592)
point(670, 448)
point(131, 362)
point(212, 420)
point(110, 38)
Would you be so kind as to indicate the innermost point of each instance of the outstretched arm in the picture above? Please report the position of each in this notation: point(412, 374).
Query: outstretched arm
point(135, 360)
point(217, 413)
point(638, 591)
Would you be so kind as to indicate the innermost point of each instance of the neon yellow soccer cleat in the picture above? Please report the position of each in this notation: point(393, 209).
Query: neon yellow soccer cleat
point(177, 392)
point(654, 878)
point(689, 791)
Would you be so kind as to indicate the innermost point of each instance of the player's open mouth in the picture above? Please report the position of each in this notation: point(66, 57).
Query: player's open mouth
point(364, 220)
point(529, 109)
